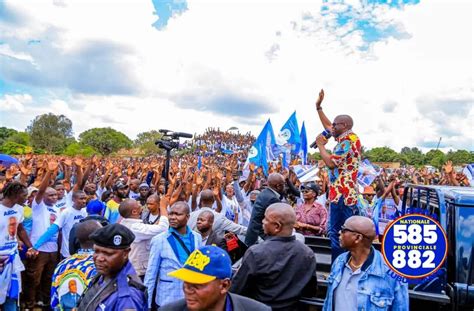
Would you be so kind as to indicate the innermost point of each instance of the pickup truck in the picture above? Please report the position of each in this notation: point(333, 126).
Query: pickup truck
point(451, 287)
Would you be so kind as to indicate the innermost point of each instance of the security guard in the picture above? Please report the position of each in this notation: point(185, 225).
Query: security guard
point(116, 285)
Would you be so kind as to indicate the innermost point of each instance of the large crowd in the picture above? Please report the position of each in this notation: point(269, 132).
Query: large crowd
point(114, 234)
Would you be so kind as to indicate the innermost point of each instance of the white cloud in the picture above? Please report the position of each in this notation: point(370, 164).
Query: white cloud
point(224, 46)
point(14, 103)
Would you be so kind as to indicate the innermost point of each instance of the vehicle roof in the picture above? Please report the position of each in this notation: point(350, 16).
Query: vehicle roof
point(460, 195)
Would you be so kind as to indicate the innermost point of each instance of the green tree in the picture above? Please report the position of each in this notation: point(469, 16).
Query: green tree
point(412, 156)
point(79, 149)
point(459, 157)
point(11, 147)
point(105, 140)
point(435, 158)
point(5, 133)
point(50, 132)
point(146, 142)
point(21, 138)
point(382, 154)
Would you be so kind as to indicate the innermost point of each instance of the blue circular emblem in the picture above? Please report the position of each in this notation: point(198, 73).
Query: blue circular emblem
point(414, 246)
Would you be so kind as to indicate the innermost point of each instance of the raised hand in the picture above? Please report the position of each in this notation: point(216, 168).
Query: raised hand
point(320, 99)
point(78, 162)
point(448, 167)
point(25, 170)
point(52, 165)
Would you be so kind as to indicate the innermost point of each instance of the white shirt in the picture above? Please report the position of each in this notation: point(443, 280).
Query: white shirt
point(66, 201)
point(43, 217)
point(140, 248)
point(68, 218)
point(10, 218)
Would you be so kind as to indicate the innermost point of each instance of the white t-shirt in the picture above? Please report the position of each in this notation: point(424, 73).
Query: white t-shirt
point(10, 218)
point(43, 217)
point(66, 201)
point(68, 218)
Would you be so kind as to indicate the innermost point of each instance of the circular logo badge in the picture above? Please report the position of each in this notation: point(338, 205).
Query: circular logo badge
point(283, 137)
point(253, 152)
point(117, 240)
point(414, 246)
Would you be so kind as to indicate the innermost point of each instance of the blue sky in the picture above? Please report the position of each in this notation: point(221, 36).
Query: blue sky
point(405, 77)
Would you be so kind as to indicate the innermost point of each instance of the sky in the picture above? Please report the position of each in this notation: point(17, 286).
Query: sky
point(403, 69)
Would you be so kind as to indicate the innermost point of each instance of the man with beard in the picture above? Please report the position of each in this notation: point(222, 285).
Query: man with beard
point(120, 193)
point(343, 166)
point(169, 251)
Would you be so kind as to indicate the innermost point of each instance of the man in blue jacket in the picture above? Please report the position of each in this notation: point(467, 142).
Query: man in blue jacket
point(360, 279)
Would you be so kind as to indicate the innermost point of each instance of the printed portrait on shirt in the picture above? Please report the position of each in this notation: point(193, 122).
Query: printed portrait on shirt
point(12, 226)
point(70, 289)
point(52, 218)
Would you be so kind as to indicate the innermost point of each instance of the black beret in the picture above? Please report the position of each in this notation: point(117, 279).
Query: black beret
point(115, 236)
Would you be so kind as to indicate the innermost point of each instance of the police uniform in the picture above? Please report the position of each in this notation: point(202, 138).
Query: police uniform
point(125, 291)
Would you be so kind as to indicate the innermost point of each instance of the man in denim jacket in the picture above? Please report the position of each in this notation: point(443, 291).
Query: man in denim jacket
point(359, 278)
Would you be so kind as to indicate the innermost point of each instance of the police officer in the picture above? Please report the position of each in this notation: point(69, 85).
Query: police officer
point(116, 285)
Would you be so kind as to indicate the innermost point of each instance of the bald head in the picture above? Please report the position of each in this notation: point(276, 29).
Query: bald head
point(207, 198)
point(127, 207)
point(346, 119)
point(282, 214)
point(276, 182)
point(363, 225)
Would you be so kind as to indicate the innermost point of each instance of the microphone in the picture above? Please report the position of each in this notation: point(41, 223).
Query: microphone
point(326, 134)
point(181, 134)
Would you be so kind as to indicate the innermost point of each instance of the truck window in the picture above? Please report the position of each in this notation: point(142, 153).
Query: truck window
point(464, 243)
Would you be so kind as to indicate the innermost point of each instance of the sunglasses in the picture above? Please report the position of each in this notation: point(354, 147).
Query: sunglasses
point(345, 229)
point(334, 124)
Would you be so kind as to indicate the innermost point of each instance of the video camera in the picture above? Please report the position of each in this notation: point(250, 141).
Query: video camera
point(170, 139)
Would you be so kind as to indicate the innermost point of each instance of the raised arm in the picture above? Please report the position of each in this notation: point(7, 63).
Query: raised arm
point(51, 167)
point(324, 119)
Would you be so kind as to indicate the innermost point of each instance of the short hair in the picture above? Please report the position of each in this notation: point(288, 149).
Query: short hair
point(86, 228)
point(183, 205)
point(209, 213)
point(75, 194)
point(13, 189)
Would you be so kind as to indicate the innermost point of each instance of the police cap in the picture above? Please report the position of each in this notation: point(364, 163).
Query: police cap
point(115, 236)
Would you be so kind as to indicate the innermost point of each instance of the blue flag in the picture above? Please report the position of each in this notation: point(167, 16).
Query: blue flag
point(289, 133)
point(261, 151)
point(199, 162)
point(303, 148)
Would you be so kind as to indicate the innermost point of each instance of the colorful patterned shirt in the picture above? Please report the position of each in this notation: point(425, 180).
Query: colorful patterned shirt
point(71, 278)
point(111, 211)
point(316, 216)
point(343, 178)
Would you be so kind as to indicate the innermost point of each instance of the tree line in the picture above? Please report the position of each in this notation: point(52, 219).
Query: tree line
point(52, 134)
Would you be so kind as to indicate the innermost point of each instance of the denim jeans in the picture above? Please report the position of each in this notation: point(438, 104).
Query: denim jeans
point(338, 214)
point(10, 305)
